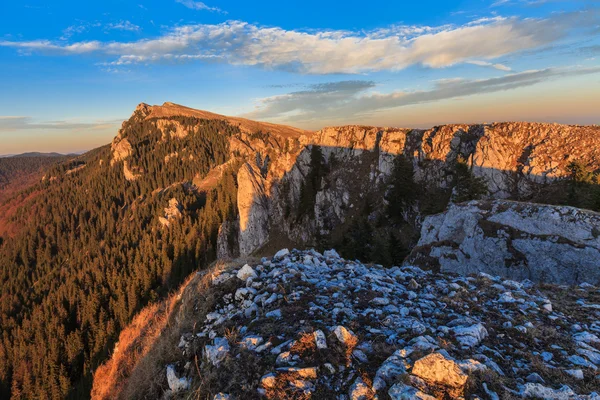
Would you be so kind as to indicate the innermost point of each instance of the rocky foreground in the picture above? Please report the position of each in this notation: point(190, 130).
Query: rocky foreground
point(309, 325)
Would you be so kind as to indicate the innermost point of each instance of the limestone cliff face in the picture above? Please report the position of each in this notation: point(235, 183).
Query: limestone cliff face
point(227, 240)
point(513, 158)
point(253, 207)
point(516, 240)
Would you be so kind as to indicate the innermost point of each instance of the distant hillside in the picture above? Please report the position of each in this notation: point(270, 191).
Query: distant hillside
point(33, 154)
point(18, 171)
point(102, 235)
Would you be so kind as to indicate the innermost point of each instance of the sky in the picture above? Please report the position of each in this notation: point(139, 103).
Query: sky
point(72, 71)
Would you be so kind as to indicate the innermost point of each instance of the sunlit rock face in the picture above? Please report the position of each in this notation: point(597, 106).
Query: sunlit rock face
point(253, 208)
point(515, 159)
point(274, 161)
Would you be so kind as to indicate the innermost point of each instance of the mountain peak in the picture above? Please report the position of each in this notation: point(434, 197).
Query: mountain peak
point(169, 109)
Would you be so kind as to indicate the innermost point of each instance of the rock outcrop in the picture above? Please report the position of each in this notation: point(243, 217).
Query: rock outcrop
point(516, 240)
point(308, 325)
point(227, 240)
point(253, 207)
point(172, 212)
point(121, 149)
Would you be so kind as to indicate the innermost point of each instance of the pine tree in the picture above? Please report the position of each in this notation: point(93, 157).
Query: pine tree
point(403, 190)
point(467, 186)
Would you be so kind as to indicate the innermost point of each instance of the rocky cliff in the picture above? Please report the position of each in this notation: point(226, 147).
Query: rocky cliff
point(299, 187)
point(516, 160)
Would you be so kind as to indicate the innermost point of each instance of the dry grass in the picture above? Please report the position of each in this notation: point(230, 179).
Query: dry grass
point(137, 367)
point(232, 335)
point(305, 346)
point(135, 341)
point(282, 390)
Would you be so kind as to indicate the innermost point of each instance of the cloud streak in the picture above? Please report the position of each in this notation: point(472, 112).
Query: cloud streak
point(11, 124)
point(328, 52)
point(341, 100)
point(198, 5)
point(83, 27)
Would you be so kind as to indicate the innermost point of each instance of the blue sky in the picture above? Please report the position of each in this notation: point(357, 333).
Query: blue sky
point(70, 72)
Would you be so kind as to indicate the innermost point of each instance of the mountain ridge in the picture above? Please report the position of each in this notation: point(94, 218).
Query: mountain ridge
point(124, 224)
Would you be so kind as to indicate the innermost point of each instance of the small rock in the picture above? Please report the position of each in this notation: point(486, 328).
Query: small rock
point(391, 368)
point(268, 381)
point(176, 384)
point(360, 390)
point(360, 356)
point(345, 336)
point(400, 391)
point(305, 387)
point(537, 391)
point(251, 342)
point(274, 314)
point(217, 352)
point(246, 272)
point(469, 366)
point(534, 378)
point(381, 301)
point(284, 358)
point(470, 336)
point(576, 373)
point(506, 297)
point(221, 396)
point(320, 339)
point(413, 285)
point(281, 253)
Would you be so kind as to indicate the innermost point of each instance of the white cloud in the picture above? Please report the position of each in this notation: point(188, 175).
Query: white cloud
point(123, 26)
point(198, 5)
point(326, 52)
point(343, 100)
point(83, 26)
point(499, 3)
point(497, 66)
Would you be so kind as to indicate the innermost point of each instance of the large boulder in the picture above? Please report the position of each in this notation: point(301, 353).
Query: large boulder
point(543, 243)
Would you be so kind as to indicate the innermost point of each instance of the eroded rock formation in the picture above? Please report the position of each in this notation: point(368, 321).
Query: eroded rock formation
point(516, 240)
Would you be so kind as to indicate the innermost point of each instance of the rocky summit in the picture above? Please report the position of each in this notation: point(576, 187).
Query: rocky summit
point(306, 325)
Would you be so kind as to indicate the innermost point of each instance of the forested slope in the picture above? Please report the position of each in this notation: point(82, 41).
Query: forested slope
point(18, 172)
point(91, 252)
